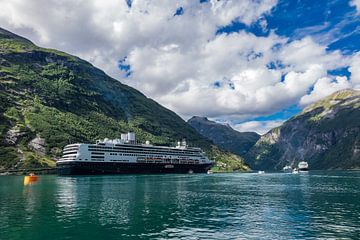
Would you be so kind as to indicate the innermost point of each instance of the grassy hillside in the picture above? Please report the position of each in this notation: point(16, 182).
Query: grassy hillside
point(326, 134)
point(49, 99)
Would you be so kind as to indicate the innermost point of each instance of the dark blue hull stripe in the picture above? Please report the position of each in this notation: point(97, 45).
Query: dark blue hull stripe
point(90, 168)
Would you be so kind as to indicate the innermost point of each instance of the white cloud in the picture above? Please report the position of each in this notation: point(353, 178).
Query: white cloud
point(178, 59)
point(328, 85)
point(324, 87)
point(245, 11)
point(355, 70)
point(302, 54)
point(261, 127)
point(356, 3)
point(184, 80)
point(104, 31)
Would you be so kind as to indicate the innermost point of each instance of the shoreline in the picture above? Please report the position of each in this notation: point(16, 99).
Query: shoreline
point(52, 171)
point(20, 172)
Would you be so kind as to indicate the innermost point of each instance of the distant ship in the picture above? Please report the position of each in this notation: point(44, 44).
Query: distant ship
point(287, 168)
point(303, 166)
point(124, 155)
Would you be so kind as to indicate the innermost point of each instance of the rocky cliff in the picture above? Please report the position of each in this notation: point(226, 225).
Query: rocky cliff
point(224, 136)
point(326, 134)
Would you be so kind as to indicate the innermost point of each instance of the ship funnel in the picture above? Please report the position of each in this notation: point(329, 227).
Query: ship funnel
point(124, 137)
point(131, 137)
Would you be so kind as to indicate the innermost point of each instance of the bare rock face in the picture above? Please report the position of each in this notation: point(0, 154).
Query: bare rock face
point(13, 135)
point(271, 137)
point(38, 145)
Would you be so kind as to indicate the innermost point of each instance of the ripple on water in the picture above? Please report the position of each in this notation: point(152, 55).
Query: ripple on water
point(321, 205)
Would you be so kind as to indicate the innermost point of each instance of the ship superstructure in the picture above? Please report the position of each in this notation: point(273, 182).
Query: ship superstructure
point(126, 156)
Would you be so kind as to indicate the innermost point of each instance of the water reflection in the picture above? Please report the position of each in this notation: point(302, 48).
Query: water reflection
point(29, 204)
point(66, 196)
point(114, 203)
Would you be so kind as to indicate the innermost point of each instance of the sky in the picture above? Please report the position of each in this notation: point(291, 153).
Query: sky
point(250, 63)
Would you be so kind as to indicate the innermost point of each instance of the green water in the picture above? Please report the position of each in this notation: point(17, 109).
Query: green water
point(318, 205)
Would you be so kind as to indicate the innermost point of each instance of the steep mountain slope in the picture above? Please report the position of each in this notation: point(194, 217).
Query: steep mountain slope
point(326, 134)
point(49, 99)
point(224, 136)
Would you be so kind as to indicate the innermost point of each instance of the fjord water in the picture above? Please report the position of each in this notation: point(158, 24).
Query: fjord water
point(318, 205)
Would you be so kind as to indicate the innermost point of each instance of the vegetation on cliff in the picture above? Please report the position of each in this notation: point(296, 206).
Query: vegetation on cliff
point(224, 136)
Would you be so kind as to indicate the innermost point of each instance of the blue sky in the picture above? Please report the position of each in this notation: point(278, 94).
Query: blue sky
point(250, 63)
point(333, 23)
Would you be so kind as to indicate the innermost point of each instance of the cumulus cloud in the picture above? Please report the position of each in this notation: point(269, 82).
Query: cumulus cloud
point(245, 11)
point(244, 82)
point(324, 87)
point(179, 60)
point(356, 3)
point(261, 127)
point(355, 71)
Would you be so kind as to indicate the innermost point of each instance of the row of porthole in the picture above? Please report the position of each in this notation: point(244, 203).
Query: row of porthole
point(142, 150)
point(142, 154)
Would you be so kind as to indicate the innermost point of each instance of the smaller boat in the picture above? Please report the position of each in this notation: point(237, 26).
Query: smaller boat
point(303, 166)
point(261, 172)
point(31, 178)
point(287, 168)
point(295, 171)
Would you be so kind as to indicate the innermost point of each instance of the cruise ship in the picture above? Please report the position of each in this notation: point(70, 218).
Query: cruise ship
point(124, 155)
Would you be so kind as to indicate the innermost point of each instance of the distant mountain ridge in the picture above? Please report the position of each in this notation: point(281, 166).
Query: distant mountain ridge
point(224, 136)
point(50, 98)
point(326, 134)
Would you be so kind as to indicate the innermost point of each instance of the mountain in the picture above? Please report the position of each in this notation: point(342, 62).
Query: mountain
point(326, 134)
point(224, 136)
point(50, 98)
